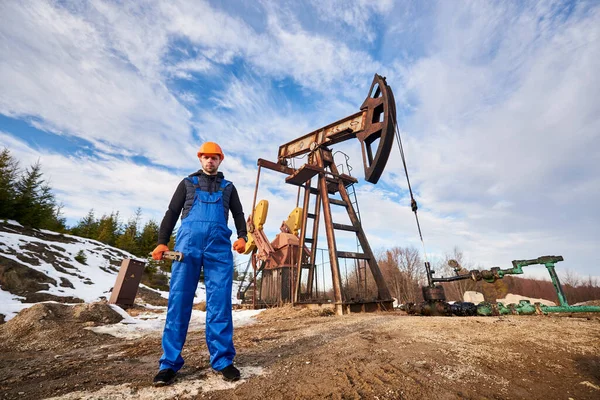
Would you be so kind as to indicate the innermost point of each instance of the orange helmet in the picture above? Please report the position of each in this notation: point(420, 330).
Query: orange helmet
point(211, 148)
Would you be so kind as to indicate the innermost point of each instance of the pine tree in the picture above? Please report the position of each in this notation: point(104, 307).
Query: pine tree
point(129, 240)
point(81, 257)
point(9, 169)
point(34, 202)
point(148, 238)
point(27, 188)
point(109, 228)
point(46, 204)
point(59, 223)
point(87, 226)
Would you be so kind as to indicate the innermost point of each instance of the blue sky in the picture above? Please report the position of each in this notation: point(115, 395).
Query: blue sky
point(497, 104)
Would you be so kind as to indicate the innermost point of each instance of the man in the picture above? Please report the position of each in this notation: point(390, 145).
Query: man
point(204, 200)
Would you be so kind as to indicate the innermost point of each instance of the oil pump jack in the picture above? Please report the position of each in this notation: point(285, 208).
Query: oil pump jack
point(287, 262)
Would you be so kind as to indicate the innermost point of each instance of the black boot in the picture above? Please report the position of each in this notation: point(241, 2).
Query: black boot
point(164, 377)
point(230, 373)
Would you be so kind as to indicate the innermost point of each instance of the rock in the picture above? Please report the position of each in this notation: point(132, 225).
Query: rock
point(515, 298)
point(473, 297)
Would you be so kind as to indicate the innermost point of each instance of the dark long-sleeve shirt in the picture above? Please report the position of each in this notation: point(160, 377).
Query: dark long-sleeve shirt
point(209, 183)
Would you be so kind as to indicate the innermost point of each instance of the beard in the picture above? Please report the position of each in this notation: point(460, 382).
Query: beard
point(211, 169)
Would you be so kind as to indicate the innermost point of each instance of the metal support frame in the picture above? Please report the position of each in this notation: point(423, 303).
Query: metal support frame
point(327, 175)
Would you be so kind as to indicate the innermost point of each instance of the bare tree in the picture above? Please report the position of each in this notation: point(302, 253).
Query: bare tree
point(359, 283)
point(455, 290)
point(570, 278)
point(402, 269)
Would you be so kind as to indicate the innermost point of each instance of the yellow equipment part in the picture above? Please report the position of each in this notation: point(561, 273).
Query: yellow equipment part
point(260, 216)
point(294, 220)
point(250, 245)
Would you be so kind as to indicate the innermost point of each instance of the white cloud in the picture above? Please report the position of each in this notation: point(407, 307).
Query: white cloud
point(284, 49)
point(184, 68)
point(357, 16)
point(61, 69)
point(188, 97)
point(98, 71)
point(503, 131)
point(252, 119)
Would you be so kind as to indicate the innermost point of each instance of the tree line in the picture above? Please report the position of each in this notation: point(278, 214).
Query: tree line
point(130, 236)
point(25, 196)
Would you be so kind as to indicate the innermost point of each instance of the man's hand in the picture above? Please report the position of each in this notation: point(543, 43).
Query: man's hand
point(240, 245)
point(157, 253)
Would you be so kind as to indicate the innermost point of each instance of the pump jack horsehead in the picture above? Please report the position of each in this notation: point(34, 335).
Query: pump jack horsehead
point(288, 275)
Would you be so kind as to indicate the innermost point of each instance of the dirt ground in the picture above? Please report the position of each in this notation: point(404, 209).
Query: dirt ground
point(299, 354)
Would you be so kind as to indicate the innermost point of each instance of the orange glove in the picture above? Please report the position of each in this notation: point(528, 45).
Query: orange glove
point(240, 245)
point(157, 253)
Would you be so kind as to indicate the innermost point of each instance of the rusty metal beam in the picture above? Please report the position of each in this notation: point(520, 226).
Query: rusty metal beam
point(265, 250)
point(303, 174)
point(342, 227)
point(336, 132)
point(313, 248)
point(349, 254)
point(298, 287)
point(332, 246)
point(338, 202)
point(275, 166)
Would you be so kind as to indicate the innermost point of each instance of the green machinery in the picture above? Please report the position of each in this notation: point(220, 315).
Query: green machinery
point(435, 299)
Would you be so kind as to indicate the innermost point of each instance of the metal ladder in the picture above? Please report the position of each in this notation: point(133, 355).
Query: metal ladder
point(330, 181)
point(312, 240)
point(360, 267)
point(250, 287)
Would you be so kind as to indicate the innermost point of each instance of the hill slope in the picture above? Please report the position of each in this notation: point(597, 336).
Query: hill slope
point(40, 265)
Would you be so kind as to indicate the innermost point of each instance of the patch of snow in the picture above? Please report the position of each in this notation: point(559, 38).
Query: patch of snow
point(183, 388)
point(127, 319)
point(215, 382)
point(13, 222)
point(590, 385)
point(152, 307)
point(47, 232)
point(10, 304)
point(146, 324)
point(244, 317)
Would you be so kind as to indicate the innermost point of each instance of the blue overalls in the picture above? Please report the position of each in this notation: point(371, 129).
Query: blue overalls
point(204, 240)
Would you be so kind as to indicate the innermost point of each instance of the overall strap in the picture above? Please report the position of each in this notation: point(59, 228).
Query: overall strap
point(224, 184)
point(221, 182)
point(194, 181)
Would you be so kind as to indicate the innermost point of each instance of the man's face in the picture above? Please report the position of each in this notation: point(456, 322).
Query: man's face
point(210, 163)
